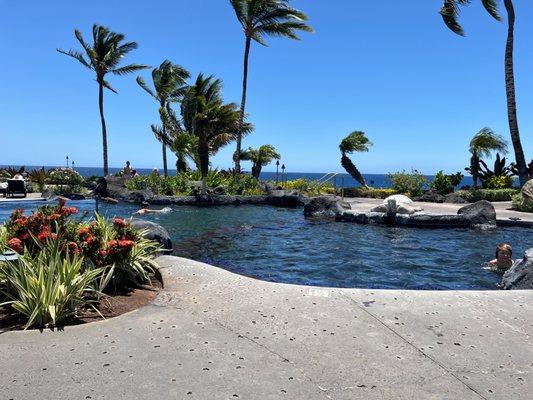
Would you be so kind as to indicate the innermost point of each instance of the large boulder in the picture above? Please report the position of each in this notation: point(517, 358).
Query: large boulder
point(527, 192)
point(325, 207)
point(481, 214)
point(431, 196)
point(153, 231)
point(280, 198)
point(520, 275)
point(454, 198)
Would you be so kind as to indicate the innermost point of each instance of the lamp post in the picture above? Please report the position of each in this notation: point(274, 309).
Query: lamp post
point(67, 162)
point(73, 165)
point(282, 173)
point(277, 171)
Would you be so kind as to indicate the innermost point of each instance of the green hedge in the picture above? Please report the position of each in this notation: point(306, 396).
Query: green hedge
point(520, 205)
point(369, 193)
point(487, 194)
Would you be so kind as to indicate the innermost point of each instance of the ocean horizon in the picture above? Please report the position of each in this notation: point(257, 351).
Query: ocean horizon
point(374, 180)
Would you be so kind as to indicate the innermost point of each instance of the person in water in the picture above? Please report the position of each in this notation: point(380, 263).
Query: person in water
point(145, 210)
point(504, 258)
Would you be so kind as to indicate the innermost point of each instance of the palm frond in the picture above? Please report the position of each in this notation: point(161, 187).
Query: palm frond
point(128, 69)
point(450, 14)
point(76, 55)
point(492, 8)
point(108, 86)
point(355, 141)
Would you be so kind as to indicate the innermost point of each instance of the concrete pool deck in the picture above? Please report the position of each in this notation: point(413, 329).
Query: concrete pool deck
point(212, 334)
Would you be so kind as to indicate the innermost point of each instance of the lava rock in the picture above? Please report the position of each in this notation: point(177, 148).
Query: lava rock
point(527, 192)
point(431, 196)
point(325, 207)
point(153, 231)
point(481, 214)
point(520, 275)
point(454, 198)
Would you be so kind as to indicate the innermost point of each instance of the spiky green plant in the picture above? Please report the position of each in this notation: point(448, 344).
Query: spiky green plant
point(169, 81)
point(260, 19)
point(354, 142)
point(450, 14)
point(104, 56)
point(50, 287)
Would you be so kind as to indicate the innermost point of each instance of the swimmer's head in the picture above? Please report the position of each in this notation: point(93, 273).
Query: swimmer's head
point(145, 204)
point(504, 251)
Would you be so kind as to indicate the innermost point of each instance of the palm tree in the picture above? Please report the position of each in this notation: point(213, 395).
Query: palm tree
point(169, 86)
point(355, 141)
point(205, 116)
point(482, 144)
point(104, 56)
point(261, 18)
point(450, 15)
point(260, 157)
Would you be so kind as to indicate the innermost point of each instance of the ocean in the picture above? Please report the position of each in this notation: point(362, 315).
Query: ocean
point(374, 180)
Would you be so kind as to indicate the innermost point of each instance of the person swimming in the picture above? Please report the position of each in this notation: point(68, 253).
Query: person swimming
point(145, 210)
point(503, 260)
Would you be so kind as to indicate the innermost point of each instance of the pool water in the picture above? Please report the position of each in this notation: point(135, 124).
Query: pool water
point(280, 245)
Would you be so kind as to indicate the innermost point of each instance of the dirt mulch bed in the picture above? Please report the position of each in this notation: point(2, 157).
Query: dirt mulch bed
point(110, 306)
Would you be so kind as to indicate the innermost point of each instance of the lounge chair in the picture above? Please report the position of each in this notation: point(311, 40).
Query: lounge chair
point(16, 186)
point(3, 188)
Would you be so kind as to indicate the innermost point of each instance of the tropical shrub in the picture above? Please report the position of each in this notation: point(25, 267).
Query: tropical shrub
point(64, 176)
point(445, 184)
point(38, 176)
point(520, 205)
point(49, 287)
point(410, 184)
point(499, 182)
point(242, 185)
point(369, 193)
point(493, 195)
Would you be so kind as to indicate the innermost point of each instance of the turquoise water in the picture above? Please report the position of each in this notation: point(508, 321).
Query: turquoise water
point(280, 245)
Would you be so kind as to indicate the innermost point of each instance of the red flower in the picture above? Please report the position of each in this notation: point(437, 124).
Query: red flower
point(72, 210)
point(90, 240)
point(53, 236)
point(53, 217)
point(21, 221)
point(72, 246)
point(44, 234)
point(119, 222)
point(84, 231)
point(102, 253)
point(25, 236)
point(126, 244)
point(18, 213)
point(15, 244)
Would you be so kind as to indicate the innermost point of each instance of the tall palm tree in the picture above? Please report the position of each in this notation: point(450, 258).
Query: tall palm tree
point(206, 117)
point(450, 15)
point(261, 18)
point(260, 157)
point(355, 141)
point(169, 82)
point(482, 144)
point(104, 56)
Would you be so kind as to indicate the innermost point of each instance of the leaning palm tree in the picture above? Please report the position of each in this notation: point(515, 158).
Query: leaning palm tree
point(104, 56)
point(482, 145)
point(169, 82)
point(450, 15)
point(355, 141)
point(260, 157)
point(261, 18)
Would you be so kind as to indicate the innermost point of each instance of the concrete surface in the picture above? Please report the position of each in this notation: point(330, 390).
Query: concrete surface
point(18, 197)
point(212, 334)
point(503, 211)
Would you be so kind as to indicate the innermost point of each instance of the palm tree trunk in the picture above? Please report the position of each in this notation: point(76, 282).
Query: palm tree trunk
point(104, 130)
point(350, 167)
point(243, 105)
point(511, 96)
point(203, 156)
point(165, 170)
point(256, 170)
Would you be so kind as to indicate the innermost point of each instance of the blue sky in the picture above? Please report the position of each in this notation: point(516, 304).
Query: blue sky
point(417, 90)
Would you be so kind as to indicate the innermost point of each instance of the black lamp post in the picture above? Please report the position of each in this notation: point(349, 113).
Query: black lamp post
point(277, 171)
point(67, 161)
point(283, 173)
point(73, 165)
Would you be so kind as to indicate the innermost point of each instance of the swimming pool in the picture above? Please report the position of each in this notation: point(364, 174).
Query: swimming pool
point(280, 245)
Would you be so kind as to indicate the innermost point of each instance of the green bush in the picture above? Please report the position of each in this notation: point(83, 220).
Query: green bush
point(492, 195)
point(64, 176)
point(50, 287)
point(500, 182)
point(444, 184)
point(520, 205)
point(369, 193)
point(410, 184)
